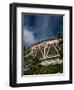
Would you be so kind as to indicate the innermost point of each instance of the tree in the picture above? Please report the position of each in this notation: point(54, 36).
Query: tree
point(59, 35)
point(60, 38)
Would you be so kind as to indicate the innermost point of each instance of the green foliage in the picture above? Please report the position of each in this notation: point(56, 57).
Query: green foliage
point(60, 35)
point(36, 68)
point(52, 69)
point(33, 63)
point(60, 38)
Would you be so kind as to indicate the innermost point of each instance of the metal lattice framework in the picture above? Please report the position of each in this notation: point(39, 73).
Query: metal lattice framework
point(45, 48)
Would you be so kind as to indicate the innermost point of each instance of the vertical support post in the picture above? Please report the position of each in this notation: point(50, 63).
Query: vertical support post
point(44, 56)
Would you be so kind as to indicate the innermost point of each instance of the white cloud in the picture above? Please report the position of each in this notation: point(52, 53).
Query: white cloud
point(28, 37)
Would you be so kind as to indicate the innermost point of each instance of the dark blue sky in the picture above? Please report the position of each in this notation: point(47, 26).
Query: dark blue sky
point(38, 27)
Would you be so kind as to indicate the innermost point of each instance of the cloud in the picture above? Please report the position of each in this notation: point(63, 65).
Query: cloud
point(29, 37)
